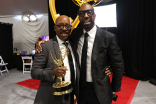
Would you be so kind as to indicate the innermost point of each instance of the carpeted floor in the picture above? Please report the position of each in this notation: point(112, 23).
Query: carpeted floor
point(125, 95)
point(11, 93)
point(30, 83)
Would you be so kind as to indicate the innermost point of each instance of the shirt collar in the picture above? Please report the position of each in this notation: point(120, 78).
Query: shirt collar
point(60, 42)
point(92, 32)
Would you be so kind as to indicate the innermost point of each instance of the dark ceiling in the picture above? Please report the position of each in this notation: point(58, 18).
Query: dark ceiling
point(19, 7)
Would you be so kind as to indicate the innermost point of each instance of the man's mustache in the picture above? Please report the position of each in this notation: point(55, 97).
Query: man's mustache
point(64, 32)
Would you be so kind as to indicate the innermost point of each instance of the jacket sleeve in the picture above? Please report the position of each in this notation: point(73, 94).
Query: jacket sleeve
point(116, 63)
point(40, 70)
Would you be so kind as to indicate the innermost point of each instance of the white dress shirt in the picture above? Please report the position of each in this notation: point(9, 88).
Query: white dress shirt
point(91, 39)
point(67, 76)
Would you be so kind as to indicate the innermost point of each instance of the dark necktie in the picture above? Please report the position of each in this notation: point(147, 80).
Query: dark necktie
point(84, 61)
point(70, 59)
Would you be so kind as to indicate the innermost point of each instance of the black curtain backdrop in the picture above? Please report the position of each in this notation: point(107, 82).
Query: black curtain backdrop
point(6, 44)
point(135, 31)
point(136, 35)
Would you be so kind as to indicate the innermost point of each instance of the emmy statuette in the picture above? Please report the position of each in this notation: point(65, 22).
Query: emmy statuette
point(62, 87)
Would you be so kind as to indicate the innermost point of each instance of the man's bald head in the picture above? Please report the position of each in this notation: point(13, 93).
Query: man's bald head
point(86, 6)
point(61, 18)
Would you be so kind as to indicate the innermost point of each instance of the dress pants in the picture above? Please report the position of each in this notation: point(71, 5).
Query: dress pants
point(68, 98)
point(87, 95)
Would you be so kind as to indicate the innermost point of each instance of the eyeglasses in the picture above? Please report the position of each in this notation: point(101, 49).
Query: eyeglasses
point(61, 26)
point(89, 13)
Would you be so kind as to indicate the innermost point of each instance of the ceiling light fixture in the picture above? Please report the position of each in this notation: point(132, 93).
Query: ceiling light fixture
point(32, 17)
point(25, 18)
point(29, 18)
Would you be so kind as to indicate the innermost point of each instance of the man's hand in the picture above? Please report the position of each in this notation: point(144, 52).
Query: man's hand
point(38, 46)
point(59, 71)
point(115, 97)
point(108, 72)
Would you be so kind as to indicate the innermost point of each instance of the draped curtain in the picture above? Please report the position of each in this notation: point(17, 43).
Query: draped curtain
point(136, 35)
point(26, 34)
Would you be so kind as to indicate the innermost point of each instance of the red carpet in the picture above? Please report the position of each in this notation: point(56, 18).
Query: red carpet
point(124, 96)
point(127, 92)
point(30, 83)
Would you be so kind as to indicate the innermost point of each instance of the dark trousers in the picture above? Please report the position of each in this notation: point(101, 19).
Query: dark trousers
point(87, 95)
point(68, 98)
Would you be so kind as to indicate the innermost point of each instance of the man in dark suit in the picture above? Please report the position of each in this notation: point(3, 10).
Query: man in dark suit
point(47, 71)
point(96, 49)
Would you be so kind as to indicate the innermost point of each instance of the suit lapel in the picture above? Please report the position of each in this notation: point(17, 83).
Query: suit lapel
point(55, 52)
point(97, 44)
point(75, 53)
point(76, 60)
point(56, 47)
point(77, 36)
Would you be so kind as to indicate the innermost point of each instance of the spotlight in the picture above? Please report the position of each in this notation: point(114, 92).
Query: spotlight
point(25, 18)
point(32, 17)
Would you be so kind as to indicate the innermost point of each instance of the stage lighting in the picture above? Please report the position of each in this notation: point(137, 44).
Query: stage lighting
point(25, 18)
point(29, 18)
point(32, 17)
point(106, 15)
